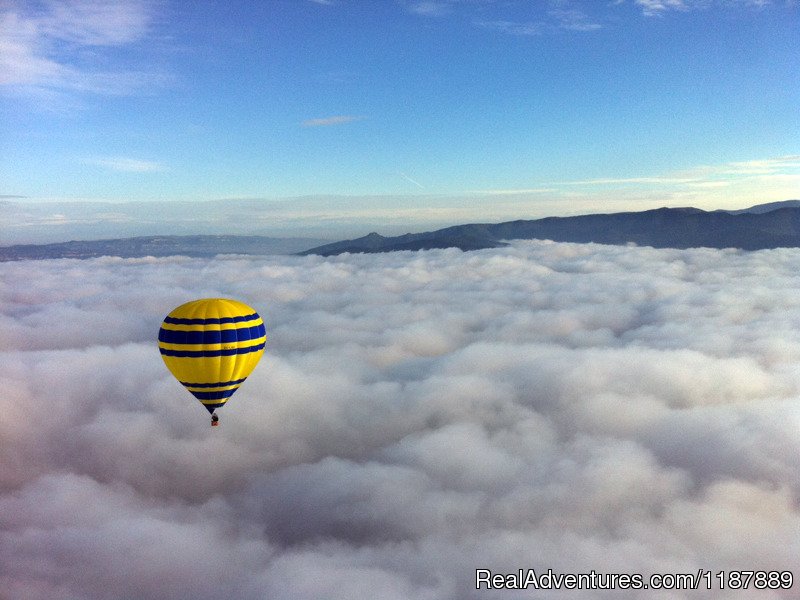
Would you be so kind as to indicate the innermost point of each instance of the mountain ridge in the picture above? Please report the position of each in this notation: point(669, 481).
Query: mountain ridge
point(687, 227)
point(771, 225)
point(196, 246)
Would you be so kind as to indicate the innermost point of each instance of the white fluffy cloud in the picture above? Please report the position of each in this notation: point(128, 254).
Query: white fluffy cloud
point(416, 416)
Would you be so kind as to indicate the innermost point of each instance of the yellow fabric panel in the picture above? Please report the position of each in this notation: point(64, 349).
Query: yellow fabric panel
point(213, 369)
point(245, 365)
point(211, 308)
point(224, 346)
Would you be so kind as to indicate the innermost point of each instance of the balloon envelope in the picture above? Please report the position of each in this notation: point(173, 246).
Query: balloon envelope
point(211, 346)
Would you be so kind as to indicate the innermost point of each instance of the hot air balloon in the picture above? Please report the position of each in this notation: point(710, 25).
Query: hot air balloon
point(211, 346)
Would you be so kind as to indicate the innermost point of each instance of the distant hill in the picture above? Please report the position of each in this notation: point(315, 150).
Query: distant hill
point(772, 225)
point(767, 207)
point(169, 245)
point(752, 229)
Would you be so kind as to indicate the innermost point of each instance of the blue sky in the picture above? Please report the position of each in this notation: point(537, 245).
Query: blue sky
point(572, 105)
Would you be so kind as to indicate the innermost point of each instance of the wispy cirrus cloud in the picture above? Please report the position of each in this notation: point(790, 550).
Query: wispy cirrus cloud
point(514, 191)
point(660, 7)
point(96, 23)
point(764, 166)
point(514, 27)
point(657, 7)
point(410, 180)
point(507, 18)
point(730, 185)
point(63, 49)
point(124, 164)
point(573, 19)
point(529, 19)
point(726, 185)
point(783, 166)
point(333, 120)
point(631, 180)
point(430, 8)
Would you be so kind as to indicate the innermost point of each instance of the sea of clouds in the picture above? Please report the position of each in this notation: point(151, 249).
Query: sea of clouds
point(416, 416)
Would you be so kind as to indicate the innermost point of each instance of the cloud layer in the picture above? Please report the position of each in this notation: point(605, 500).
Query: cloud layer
point(416, 416)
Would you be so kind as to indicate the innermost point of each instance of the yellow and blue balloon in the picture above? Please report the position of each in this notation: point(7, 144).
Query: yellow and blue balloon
point(211, 346)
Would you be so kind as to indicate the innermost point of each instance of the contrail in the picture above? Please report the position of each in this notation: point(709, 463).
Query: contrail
point(407, 178)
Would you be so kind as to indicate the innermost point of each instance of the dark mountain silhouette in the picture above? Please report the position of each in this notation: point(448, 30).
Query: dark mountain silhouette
point(752, 229)
point(767, 207)
point(772, 225)
point(161, 245)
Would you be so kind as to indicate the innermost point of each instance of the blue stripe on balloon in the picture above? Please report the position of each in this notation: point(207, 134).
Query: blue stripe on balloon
point(211, 407)
point(218, 336)
point(214, 395)
point(212, 385)
point(211, 353)
point(240, 319)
